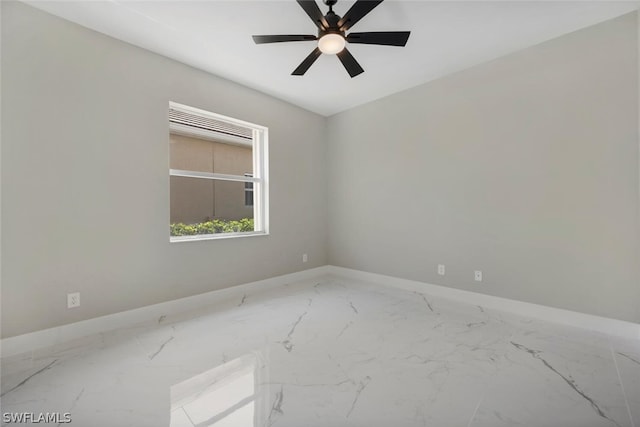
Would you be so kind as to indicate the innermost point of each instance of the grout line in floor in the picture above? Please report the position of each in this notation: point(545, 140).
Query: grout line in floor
point(624, 392)
point(488, 387)
point(473, 416)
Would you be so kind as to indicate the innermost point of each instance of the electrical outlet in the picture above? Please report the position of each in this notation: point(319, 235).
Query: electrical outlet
point(73, 300)
point(478, 276)
point(305, 258)
point(441, 269)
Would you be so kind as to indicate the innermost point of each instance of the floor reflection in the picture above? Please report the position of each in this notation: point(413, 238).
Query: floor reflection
point(222, 396)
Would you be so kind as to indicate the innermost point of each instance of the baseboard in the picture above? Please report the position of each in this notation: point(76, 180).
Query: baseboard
point(604, 325)
point(48, 337)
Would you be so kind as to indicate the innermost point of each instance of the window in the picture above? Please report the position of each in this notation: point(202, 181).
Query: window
point(248, 191)
point(211, 193)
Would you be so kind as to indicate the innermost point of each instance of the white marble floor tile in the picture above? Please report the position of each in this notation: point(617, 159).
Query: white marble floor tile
point(330, 353)
point(553, 380)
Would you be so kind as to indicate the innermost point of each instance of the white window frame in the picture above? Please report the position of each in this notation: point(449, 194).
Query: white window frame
point(260, 178)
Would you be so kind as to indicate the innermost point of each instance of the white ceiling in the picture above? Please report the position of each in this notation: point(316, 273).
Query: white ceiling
point(446, 36)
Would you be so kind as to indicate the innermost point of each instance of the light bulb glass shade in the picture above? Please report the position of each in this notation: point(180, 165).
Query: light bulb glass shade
point(331, 43)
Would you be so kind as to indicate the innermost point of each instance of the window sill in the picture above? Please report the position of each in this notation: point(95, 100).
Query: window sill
point(217, 236)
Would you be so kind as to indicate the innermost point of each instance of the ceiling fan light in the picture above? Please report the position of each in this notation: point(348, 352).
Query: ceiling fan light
point(331, 43)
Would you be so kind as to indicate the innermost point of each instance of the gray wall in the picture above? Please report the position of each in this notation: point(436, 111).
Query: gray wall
point(525, 168)
point(85, 182)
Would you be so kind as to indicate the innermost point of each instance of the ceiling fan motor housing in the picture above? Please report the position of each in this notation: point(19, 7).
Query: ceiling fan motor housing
point(332, 19)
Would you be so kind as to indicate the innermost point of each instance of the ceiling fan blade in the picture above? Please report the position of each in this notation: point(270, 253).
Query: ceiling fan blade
point(308, 62)
point(312, 9)
point(387, 38)
point(283, 38)
point(357, 12)
point(350, 63)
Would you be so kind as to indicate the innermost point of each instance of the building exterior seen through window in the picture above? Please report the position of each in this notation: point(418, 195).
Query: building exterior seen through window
point(218, 175)
point(248, 191)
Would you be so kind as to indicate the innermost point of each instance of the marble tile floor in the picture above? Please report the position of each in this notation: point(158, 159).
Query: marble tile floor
point(331, 353)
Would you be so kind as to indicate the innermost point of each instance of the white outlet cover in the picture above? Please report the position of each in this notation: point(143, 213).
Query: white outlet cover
point(441, 269)
point(73, 300)
point(305, 258)
point(478, 276)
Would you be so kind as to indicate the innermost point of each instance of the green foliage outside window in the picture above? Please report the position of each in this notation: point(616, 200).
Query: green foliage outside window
point(212, 227)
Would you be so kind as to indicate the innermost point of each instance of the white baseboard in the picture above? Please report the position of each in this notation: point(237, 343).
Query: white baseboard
point(59, 334)
point(604, 325)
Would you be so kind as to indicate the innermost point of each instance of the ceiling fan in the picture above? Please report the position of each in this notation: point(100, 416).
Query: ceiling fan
point(332, 37)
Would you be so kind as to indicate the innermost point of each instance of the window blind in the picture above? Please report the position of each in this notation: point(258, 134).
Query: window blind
point(210, 124)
